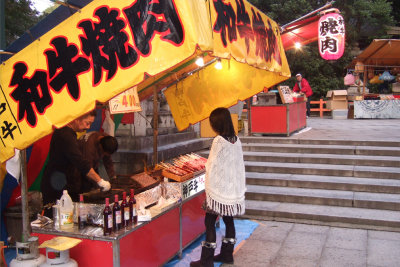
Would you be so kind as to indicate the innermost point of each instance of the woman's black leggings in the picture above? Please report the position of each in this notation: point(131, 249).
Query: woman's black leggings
point(210, 220)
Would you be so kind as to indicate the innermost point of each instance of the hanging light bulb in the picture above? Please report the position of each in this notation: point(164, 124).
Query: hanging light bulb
point(297, 45)
point(200, 61)
point(218, 65)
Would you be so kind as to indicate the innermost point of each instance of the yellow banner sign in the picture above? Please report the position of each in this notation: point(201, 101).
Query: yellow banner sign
point(95, 54)
point(253, 41)
point(240, 30)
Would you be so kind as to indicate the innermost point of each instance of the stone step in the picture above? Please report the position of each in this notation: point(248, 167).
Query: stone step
point(294, 140)
point(145, 142)
point(323, 149)
point(336, 159)
point(324, 182)
point(330, 215)
point(128, 161)
point(324, 197)
point(324, 169)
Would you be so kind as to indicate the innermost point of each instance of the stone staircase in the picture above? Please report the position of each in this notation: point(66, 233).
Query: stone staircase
point(332, 182)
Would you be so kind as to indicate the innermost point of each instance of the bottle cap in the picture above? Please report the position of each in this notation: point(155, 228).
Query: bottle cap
point(80, 197)
point(107, 201)
point(116, 197)
point(124, 195)
point(132, 191)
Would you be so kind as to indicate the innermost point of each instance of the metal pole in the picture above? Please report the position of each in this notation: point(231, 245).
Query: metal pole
point(329, 4)
point(26, 233)
point(155, 125)
point(249, 100)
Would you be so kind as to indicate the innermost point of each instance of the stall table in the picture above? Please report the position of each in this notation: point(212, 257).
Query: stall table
point(377, 109)
point(283, 119)
point(150, 243)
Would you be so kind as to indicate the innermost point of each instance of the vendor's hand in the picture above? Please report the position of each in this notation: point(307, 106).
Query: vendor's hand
point(104, 185)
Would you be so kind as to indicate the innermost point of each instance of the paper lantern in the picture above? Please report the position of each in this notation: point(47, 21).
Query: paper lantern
point(386, 76)
point(349, 79)
point(370, 73)
point(359, 67)
point(375, 80)
point(331, 36)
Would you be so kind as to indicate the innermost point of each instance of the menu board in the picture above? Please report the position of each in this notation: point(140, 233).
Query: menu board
point(286, 94)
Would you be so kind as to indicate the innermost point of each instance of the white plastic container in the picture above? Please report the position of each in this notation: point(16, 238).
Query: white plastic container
point(66, 212)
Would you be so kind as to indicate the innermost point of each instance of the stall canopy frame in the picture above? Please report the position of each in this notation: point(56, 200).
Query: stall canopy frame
point(199, 20)
point(199, 39)
point(303, 30)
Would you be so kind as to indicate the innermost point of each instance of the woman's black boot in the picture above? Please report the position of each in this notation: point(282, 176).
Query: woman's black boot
point(207, 255)
point(226, 254)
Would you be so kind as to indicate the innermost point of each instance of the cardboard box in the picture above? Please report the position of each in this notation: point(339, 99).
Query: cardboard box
point(207, 131)
point(333, 105)
point(337, 95)
point(337, 99)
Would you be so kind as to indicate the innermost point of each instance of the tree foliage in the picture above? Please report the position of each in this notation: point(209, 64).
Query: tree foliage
point(19, 17)
point(364, 20)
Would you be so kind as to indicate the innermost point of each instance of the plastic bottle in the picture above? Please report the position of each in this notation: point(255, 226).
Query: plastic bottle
point(66, 211)
point(125, 211)
point(56, 215)
point(132, 208)
point(117, 215)
point(108, 218)
point(82, 213)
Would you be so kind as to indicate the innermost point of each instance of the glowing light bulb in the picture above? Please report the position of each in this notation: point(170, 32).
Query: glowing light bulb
point(297, 45)
point(200, 61)
point(218, 65)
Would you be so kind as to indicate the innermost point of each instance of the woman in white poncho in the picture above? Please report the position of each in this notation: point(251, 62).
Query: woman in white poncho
point(225, 188)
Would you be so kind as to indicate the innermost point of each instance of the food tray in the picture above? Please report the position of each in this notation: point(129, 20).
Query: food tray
point(175, 177)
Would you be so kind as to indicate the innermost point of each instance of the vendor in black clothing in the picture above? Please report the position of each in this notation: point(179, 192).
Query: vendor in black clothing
point(66, 163)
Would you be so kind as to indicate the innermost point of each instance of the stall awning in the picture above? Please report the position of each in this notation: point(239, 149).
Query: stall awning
point(381, 52)
point(92, 56)
point(253, 58)
point(106, 49)
point(303, 30)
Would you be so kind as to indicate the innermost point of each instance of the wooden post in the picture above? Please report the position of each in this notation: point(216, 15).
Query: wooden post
point(364, 81)
point(155, 125)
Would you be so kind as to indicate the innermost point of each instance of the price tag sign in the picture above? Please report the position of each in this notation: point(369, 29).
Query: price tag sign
point(125, 102)
point(193, 186)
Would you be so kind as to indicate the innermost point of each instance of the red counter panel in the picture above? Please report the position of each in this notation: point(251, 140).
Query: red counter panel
point(153, 244)
point(192, 219)
point(88, 253)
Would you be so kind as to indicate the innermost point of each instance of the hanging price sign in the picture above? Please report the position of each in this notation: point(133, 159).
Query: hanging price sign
point(125, 102)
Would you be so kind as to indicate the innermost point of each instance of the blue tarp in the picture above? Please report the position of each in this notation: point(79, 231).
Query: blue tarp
point(244, 228)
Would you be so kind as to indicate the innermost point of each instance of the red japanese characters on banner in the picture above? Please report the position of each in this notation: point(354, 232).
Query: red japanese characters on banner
point(331, 36)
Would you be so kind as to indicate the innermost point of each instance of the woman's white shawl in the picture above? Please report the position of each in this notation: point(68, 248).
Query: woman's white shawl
point(225, 183)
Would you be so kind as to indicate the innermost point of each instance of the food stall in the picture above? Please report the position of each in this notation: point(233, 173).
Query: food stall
point(279, 119)
point(379, 63)
point(151, 242)
point(149, 62)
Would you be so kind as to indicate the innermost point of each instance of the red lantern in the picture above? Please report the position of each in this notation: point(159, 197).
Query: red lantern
point(331, 36)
